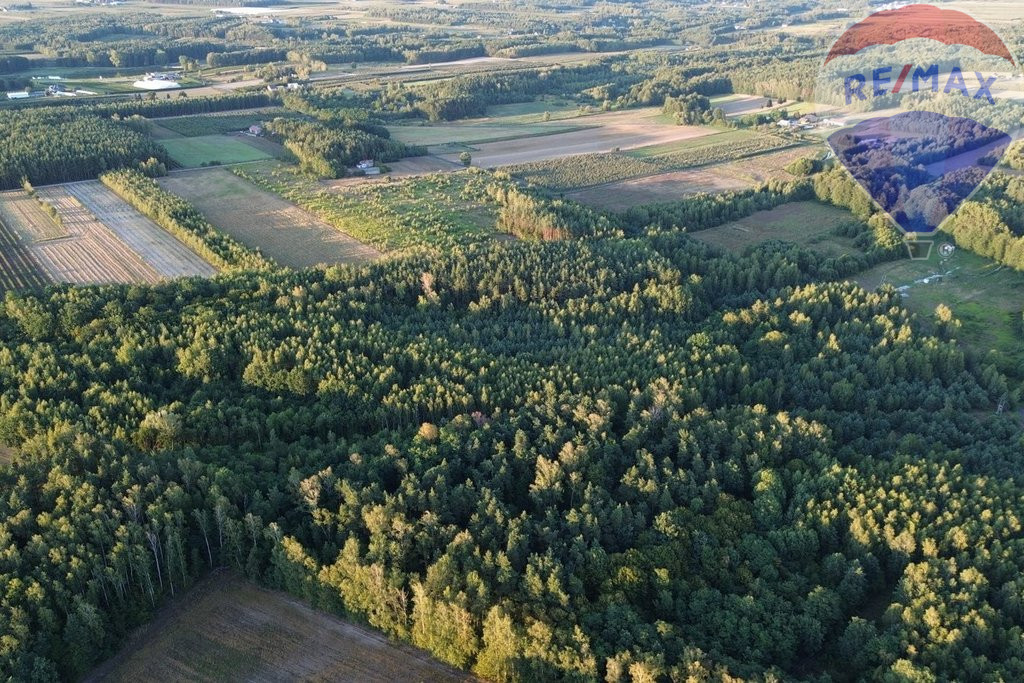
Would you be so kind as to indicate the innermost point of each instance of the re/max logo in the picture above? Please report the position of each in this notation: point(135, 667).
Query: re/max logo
point(881, 78)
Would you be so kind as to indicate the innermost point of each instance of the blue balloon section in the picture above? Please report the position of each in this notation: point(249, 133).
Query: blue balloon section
point(919, 166)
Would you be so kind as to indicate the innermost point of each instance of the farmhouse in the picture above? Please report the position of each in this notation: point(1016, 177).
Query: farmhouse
point(255, 130)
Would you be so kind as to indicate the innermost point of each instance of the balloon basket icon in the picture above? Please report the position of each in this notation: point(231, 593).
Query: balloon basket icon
point(919, 249)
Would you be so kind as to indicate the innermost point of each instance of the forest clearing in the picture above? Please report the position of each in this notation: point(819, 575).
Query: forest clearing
point(227, 628)
point(809, 224)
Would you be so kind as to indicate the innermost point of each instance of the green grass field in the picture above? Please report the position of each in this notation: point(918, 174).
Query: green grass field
point(212, 150)
point(218, 124)
point(808, 224)
point(987, 298)
point(533, 112)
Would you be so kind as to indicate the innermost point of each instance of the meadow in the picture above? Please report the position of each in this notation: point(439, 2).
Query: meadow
point(213, 150)
point(809, 224)
point(987, 298)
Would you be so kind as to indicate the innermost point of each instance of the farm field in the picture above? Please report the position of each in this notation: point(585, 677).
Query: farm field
point(228, 629)
point(612, 131)
point(19, 268)
point(533, 112)
point(657, 188)
point(674, 185)
point(986, 297)
point(586, 170)
point(260, 220)
point(91, 253)
point(218, 124)
point(103, 240)
point(209, 150)
point(158, 248)
point(808, 224)
point(24, 214)
point(438, 210)
point(432, 135)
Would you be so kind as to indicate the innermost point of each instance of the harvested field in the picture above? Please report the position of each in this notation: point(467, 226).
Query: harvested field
point(6, 455)
point(808, 224)
point(91, 253)
point(19, 268)
point(24, 214)
point(158, 248)
point(226, 629)
point(103, 241)
point(620, 130)
point(264, 221)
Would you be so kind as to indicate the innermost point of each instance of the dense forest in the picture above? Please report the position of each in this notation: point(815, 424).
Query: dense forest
point(602, 450)
point(328, 150)
point(620, 459)
point(86, 146)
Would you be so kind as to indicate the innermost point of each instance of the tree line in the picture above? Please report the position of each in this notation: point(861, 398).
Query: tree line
point(182, 220)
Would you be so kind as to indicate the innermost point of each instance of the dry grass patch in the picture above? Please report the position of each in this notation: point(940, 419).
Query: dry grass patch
point(260, 220)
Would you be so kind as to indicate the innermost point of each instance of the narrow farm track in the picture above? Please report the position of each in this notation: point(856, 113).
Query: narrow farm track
point(158, 248)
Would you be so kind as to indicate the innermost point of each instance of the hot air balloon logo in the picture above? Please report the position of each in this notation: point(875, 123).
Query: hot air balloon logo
point(925, 99)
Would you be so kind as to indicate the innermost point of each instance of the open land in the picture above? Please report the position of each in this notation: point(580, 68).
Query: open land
point(258, 219)
point(808, 224)
point(610, 132)
point(986, 297)
point(228, 629)
point(212, 150)
point(99, 240)
point(165, 254)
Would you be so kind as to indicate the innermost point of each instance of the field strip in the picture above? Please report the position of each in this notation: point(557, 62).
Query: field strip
point(91, 254)
point(286, 233)
point(158, 248)
point(19, 268)
point(618, 134)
